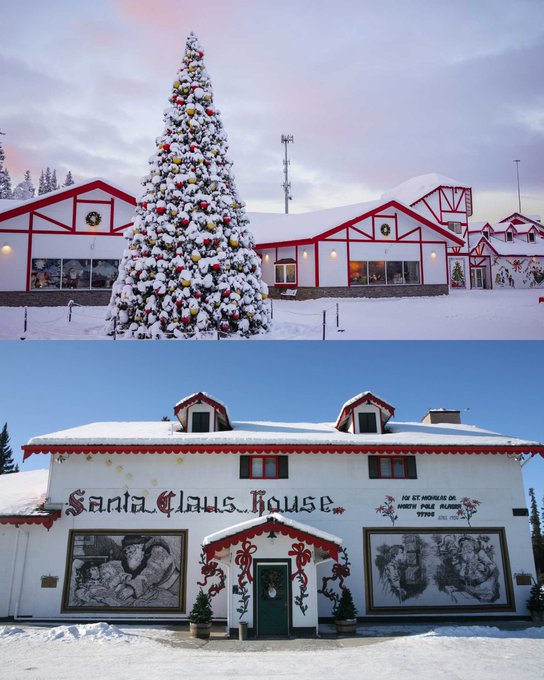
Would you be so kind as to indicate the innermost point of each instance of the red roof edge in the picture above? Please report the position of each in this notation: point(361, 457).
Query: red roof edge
point(45, 520)
point(285, 530)
point(200, 396)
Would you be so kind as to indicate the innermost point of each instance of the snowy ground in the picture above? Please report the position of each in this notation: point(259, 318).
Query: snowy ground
point(463, 315)
point(103, 651)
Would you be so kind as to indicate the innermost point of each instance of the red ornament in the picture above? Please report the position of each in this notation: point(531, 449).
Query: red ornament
point(179, 185)
point(161, 211)
point(198, 295)
point(193, 147)
point(226, 293)
point(209, 112)
point(179, 268)
point(206, 241)
point(195, 87)
point(203, 205)
point(147, 311)
point(235, 316)
point(224, 327)
point(178, 303)
point(216, 267)
point(144, 205)
point(216, 242)
point(201, 54)
point(179, 101)
point(166, 147)
point(185, 221)
point(185, 319)
point(226, 220)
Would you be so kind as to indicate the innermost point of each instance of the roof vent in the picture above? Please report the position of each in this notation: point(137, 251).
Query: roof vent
point(442, 415)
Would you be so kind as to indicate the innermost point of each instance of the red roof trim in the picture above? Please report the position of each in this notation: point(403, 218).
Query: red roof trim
point(437, 188)
point(375, 211)
point(185, 403)
point(285, 530)
point(384, 449)
point(49, 199)
point(382, 405)
point(517, 214)
point(487, 243)
point(17, 520)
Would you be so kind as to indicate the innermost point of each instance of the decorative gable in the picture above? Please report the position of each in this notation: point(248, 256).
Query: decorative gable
point(201, 412)
point(364, 414)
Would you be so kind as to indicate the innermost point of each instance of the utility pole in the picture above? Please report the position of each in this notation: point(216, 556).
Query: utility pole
point(285, 139)
point(517, 162)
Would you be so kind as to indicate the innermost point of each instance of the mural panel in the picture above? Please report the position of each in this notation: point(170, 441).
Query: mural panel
point(415, 570)
point(125, 571)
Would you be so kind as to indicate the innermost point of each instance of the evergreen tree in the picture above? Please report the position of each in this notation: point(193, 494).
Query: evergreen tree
point(7, 465)
point(537, 538)
point(47, 180)
point(69, 180)
point(5, 179)
point(190, 266)
point(25, 189)
point(41, 186)
point(54, 183)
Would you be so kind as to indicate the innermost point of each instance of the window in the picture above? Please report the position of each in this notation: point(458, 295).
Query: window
point(455, 227)
point(509, 236)
point(200, 421)
point(380, 273)
point(367, 422)
point(531, 237)
point(388, 467)
point(73, 273)
point(285, 272)
point(485, 234)
point(264, 467)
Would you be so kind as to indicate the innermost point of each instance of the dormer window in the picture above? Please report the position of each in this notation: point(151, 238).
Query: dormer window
point(367, 423)
point(200, 421)
point(531, 237)
point(509, 236)
point(485, 234)
point(455, 227)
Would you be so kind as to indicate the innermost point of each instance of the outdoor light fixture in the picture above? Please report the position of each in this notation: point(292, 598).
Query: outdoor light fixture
point(304, 253)
point(333, 253)
point(433, 255)
point(267, 257)
point(6, 249)
point(272, 535)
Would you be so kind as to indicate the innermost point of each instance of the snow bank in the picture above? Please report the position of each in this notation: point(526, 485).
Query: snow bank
point(95, 632)
point(22, 492)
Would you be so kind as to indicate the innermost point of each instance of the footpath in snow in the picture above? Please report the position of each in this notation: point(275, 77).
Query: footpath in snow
point(100, 650)
point(462, 315)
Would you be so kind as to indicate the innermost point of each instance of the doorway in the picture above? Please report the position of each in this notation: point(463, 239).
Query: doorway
point(478, 277)
point(272, 598)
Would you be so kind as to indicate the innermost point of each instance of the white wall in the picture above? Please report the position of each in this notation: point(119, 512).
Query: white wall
point(13, 264)
point(320, 482)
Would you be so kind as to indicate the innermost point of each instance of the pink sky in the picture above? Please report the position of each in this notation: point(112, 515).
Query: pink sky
point(374, 93)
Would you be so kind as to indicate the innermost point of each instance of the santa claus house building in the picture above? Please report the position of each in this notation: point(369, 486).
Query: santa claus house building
point(272, 520)
point(416, 239)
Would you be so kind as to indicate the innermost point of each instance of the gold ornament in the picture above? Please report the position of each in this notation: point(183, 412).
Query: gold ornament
point(249, 315)
point(176, 160)
point(196, 257)
point(175, 169)
point(234, 242)
point(192, 69)
point(173, 212)
point(191, 180)
point(193, 311)
point(176, 84)
point(185, 283)
point(264, 296)
point(191, 111)
point(210, 226)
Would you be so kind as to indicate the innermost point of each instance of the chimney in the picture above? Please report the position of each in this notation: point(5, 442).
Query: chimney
point(442, 415)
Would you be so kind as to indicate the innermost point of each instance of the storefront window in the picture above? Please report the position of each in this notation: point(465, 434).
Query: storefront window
point(104, 273)
point(76, 274)
point(358, 274)
point(411, 272)
point(394, 273)
point(379, 273)
point(376, 272)
point(45, 273)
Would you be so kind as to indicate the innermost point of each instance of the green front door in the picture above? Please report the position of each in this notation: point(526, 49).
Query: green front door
point(272, 598)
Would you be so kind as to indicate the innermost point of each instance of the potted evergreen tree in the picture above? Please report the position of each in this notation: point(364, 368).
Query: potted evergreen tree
point(345, 613)
point(535, 603)
point(200, 617)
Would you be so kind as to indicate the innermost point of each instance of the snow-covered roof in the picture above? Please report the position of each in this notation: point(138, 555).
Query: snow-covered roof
point(8, 204)
point(275, 517)
point(518, 246)
point(21, 493)
point(413, 189)
point(273, 433)
point(272, 227)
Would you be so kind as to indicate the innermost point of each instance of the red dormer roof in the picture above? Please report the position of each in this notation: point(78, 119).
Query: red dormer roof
point(518, 218)
point(221, 411)
point(387, 411)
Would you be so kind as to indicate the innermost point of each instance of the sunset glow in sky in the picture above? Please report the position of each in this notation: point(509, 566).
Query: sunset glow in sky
point(373, 92)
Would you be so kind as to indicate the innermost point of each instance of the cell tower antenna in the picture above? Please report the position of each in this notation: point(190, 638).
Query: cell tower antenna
point(517, 162)
point(285, 139)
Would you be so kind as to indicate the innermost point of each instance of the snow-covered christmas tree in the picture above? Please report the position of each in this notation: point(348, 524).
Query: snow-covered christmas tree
point(190, 266)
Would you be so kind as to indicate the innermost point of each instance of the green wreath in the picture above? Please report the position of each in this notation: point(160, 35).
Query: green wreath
point(93, 218)
point(385, 229)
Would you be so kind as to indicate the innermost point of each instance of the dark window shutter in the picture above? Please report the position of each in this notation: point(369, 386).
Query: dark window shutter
point(373, 471)
point(244, 467)
point(283, 467)
point(411, 467)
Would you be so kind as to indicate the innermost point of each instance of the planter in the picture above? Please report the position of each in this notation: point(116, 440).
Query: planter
point(345, 626)
point(200, 630)
point(537, 615)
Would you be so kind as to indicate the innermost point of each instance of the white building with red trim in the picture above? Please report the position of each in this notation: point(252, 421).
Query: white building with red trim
point(415, 240)
point(271, 519)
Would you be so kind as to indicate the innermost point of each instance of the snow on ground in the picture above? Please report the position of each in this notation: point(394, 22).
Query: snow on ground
point(101, 651)
point(503, 314)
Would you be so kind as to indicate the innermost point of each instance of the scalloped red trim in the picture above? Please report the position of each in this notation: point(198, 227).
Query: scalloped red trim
point(217, 546)
point(393, 450)
point(17, 520)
